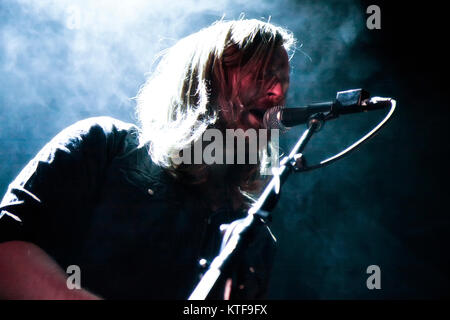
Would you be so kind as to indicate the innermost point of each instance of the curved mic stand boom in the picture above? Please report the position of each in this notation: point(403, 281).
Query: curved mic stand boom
point(235, 242)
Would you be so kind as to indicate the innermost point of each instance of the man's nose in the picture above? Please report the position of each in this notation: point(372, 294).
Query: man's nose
point(277, 91)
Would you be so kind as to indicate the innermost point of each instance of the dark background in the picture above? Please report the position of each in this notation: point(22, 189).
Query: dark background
point(383, 205)
point(386, 204)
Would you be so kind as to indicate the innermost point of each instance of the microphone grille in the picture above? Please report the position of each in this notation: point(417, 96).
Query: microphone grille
point(271, 119)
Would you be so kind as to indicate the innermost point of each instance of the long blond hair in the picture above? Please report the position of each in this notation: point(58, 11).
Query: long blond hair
point(189, 88)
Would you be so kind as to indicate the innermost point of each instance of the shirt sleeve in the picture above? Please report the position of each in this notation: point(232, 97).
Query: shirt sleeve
point(65, 174)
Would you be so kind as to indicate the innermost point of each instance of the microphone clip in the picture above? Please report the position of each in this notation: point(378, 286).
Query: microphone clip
point(350, 101)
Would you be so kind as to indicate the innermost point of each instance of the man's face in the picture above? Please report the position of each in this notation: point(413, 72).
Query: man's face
point(258, 95)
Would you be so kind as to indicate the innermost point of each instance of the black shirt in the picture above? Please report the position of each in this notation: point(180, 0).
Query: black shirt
point(93, 198)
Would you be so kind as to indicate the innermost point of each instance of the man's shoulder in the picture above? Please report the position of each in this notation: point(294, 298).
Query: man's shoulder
point(97, 130)
point(105, 124)
point(102, 138)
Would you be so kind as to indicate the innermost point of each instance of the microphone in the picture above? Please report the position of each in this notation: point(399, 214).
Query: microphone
point(349, 101)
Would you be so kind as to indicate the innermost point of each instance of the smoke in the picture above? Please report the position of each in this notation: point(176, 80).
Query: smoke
point(89, 57)
point(62, 61)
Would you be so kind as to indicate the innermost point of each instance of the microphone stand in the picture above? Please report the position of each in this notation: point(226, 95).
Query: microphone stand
point(237, 239)
point(257, 214)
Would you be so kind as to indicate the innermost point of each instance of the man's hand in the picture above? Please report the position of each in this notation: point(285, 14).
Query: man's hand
point(27, 272)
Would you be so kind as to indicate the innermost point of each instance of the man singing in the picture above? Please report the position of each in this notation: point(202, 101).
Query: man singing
point(111, 199)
